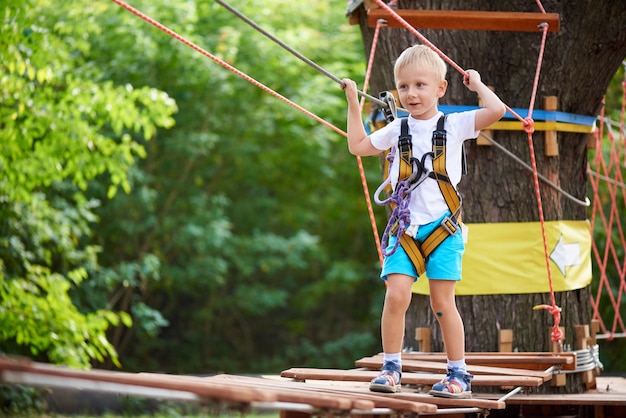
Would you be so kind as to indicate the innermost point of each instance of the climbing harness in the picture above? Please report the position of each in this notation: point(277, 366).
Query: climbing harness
point(412, 173)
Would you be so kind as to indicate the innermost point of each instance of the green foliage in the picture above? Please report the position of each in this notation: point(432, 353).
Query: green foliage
point(62, 129)
point(21, 401)
point(241, 201)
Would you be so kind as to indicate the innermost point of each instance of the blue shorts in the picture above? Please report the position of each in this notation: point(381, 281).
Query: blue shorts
point(444, 262)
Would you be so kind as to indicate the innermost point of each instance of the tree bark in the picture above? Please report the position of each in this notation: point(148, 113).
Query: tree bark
point(578, 65)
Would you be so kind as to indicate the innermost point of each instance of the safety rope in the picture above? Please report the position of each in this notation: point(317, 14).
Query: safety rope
point(368, 73)
point(224, 64)
point(557, 334)
point(528, 125)
point(246, 77)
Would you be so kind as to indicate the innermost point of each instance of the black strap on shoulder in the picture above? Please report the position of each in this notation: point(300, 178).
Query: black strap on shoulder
point(439, 137)
point(404, 141)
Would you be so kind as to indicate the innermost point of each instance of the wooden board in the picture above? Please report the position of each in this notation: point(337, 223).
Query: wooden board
point(440, 367)
point(361, 391)
point(147, 380)
point(467, 20)
point(356, 395)
point(611, 390)
point(407, 378)
point(414, 396)
point(514, 360)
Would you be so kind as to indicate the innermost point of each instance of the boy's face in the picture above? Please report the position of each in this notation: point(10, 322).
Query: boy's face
point(419, 90)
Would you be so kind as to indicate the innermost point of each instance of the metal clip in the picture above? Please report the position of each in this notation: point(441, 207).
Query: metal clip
point(450, 225)
point(391, 111)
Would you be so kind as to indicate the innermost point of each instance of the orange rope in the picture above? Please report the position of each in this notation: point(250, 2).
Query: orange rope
point(275, 94)
point(225, 64)
point(368, 74)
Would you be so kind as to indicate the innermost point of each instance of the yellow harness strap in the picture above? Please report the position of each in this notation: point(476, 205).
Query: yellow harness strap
point(419, 252)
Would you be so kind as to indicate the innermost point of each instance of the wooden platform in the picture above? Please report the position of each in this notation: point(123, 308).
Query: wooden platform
point(315, 392)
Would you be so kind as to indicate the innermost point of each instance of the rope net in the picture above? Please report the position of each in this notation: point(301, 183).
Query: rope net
point(606, 167)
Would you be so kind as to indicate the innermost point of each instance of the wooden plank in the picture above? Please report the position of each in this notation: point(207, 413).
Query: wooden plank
point(408, 378)
point(289, 391)
point(505, 336)
point(162, 381)
point(410, 395)
point(467, 20)
point(355, 394)
point(439, 367)
point(515, 360)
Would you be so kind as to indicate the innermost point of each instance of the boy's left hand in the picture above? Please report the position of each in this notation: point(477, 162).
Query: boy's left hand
point(472, 80)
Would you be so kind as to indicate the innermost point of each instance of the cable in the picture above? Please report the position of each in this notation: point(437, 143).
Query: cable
point(294, 52)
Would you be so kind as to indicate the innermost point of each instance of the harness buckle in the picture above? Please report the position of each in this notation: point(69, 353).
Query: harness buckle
point(404, 145)
point(439, 138)
point(450, 224)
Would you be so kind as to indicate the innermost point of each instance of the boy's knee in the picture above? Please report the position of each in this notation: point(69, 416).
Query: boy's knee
point(397, 300)
point(441, 308)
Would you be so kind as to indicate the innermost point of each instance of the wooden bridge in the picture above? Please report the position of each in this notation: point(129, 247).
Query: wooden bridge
point(301, 392)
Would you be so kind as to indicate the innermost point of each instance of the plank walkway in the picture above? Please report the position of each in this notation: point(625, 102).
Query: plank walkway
point(319, 392)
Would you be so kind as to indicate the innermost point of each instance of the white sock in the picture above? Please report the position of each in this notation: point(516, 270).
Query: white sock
point(458, 364)
point(395, 357)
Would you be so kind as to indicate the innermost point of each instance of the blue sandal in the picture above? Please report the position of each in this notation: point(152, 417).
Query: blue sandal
point(388, 381)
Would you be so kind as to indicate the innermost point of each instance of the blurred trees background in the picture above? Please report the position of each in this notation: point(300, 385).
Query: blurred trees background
point(160, 213)
point(146, 183)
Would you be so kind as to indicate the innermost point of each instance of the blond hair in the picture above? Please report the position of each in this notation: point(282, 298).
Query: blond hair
point(423, 56)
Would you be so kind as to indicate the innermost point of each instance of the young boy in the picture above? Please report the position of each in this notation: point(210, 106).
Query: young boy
point(419, 74)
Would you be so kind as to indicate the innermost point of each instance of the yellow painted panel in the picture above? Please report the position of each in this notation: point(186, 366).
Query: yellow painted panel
point(509, 258)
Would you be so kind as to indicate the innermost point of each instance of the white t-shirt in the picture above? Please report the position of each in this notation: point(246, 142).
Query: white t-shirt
point(427, 202)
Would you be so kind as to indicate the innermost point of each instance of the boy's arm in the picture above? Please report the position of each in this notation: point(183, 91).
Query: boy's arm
point(358, 141)
point(493, 109)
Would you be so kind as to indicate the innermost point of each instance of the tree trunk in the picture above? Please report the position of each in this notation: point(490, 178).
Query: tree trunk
point(578, 65)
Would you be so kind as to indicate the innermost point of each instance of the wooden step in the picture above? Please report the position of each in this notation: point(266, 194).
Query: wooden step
point(409, 378)
point(467, 20)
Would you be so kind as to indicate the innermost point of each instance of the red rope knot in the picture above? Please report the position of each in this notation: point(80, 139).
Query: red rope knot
point(556, 334)
point(529, 125)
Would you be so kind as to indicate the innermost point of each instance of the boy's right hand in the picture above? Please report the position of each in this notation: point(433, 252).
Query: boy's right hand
point(350, 87)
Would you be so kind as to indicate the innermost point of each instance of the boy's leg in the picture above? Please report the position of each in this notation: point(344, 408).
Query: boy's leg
point(443, 304)
point(397, 300)
point(456, 384)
